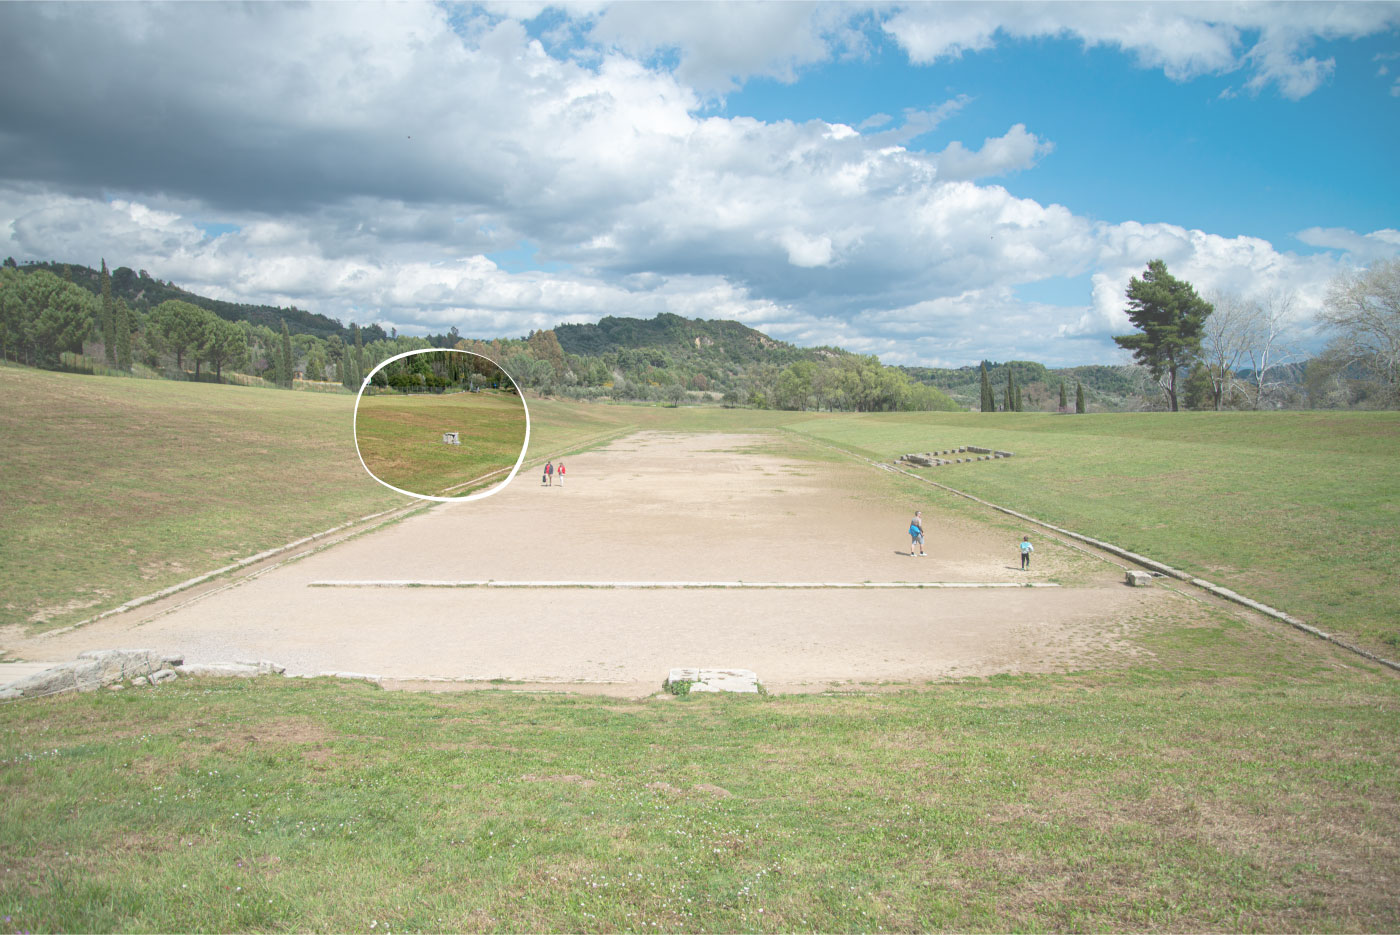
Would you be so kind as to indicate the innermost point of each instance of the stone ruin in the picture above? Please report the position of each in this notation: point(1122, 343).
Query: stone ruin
point(450, 438)
point(948, 456)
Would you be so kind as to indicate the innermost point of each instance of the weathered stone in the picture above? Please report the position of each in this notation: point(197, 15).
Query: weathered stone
point(163, 675)
point(264, 666)
point(715, 680)
point(115, 687)
point(60, 678)
point(8, 694)
point(222, 670)
point(1139, 579)
point(139, 682)
point(353, 676)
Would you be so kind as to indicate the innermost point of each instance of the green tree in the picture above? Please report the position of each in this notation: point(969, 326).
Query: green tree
point(316, 362)
point(223, 345)
point(176, 327)
point(1009, 397)
point(794, 387)
point(11, 317)
point(989, 403)
point(55, 316)
point(1062, 396)
point(358, 373)
point(125, 326)
point(284, 359)
point(673, 394)
point(1199, 388)
point(108, 317)
point(1170, 318)
point(1079, 398)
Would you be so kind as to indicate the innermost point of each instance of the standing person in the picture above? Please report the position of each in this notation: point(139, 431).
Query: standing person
point(559, 473)
point(916, 535)
point(1026, 550)
point(549, 473)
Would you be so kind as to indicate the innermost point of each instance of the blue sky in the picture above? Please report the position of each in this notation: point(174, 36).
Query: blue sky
point(511, 166)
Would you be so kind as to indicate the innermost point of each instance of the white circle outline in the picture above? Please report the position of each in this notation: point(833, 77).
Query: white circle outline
point(422, 496)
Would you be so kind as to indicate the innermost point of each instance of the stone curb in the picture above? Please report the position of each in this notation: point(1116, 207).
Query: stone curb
point(200, 579)
point(1217, 590)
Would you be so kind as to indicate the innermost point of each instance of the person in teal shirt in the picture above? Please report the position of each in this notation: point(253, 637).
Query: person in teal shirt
point(1026, 550)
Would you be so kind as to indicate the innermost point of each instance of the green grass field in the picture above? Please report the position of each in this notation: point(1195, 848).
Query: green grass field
point(1236, 776)
point(1239, 781)
point(400, 439)
point(1296, 509)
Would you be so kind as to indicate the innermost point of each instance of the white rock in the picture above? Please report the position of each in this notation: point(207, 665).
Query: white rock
point(715, 680)
point(163, 675)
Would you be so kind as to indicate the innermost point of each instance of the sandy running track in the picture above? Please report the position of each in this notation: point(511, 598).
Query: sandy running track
point(651, 507)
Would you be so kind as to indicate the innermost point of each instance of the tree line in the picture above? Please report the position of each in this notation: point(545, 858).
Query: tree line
point(1222, 353)
point(43, 315)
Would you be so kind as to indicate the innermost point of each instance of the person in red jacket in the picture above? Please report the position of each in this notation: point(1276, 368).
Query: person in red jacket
point(559, 472)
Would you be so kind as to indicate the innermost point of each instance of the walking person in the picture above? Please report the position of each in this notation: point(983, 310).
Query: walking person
point(1026, 550)
point(559, 473)
point(916, 535)
point(548, 479)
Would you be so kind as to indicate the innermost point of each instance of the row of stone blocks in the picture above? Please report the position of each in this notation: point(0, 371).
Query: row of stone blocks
point(935, 459)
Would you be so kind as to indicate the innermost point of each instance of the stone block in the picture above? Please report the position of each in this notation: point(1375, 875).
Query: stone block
point(715, 680)
point(163, 675)
point(221, 670)
point(140, 681)
point(1139, 579)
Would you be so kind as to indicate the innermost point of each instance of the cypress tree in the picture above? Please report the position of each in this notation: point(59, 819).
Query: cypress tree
point(1062, 395)
point(1018, 399)
point(108, 322)
point(359, 359)
point(989, 403)
point(1010, 398)
point(284, 365)
point(1079, 398)
point(125, 320)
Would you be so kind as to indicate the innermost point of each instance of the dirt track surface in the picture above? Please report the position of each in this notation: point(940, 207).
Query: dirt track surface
point(653, 507)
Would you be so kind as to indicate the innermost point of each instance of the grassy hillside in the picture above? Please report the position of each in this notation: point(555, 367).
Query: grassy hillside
point(1292, 508)
point(400, 438)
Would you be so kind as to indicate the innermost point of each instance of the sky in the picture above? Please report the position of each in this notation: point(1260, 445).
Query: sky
point(933, 183)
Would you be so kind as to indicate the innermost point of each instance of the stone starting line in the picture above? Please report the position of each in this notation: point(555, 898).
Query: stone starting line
point(683, 585)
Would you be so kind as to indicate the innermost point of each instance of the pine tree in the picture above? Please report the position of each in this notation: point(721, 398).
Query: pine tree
point(1170, 317)
point(108, 321)
point(1062, 395)
point(284, 363)
point(989, 403)
point(1079, 398)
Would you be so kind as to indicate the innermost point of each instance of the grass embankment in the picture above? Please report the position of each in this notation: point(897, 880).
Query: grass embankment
point(1296, 509)
point(117, 488)
point(400, 438)
point(111, 489)
point(1242, 780)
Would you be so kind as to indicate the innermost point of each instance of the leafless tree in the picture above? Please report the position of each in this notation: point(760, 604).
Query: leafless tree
point(1363, 310)
point(1230, 333)
point(1270, 347)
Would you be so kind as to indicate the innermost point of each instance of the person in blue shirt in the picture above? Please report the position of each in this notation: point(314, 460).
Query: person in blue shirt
point(916, 535)
point(1026, 550)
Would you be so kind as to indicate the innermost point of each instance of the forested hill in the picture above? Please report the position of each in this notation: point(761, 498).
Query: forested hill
point(727, 339)
point(142, 292)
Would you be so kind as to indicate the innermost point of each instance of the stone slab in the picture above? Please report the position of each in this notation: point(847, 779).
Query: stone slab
point(742, 681)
